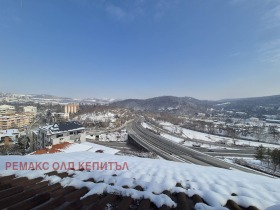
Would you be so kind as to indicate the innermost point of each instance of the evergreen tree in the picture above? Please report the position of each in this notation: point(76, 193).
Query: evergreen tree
point(260, 153)
point(275, 159)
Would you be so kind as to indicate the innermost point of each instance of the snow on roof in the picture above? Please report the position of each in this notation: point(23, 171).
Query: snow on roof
point(67, 147)
point(64, 126)
point(9, 132)
point(215, 185)
point(90, 147)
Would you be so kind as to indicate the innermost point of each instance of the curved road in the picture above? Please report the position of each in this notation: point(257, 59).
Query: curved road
point(173, 151)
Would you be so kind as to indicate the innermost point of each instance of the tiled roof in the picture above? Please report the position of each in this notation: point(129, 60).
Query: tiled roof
point(23, 193)
point(54, 149)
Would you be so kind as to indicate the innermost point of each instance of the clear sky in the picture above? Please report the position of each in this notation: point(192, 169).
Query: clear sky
point(140, 48)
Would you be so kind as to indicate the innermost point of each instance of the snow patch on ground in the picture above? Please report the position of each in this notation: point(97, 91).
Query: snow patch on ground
point(145, 125)
point(172, 138)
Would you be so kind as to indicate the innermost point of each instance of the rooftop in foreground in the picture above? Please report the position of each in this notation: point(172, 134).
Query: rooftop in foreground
point(143, 184)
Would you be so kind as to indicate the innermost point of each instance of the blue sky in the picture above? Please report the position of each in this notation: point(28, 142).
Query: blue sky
point(140, 48)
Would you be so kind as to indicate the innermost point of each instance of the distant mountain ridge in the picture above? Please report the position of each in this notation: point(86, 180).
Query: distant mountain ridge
point(166, 103)
point(274, 99)
point(255, 103)
point(173, 104)
point(191, 105)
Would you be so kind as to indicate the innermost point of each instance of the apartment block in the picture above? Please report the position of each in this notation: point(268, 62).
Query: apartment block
point(14, 121)
point(71, 108)
point(7, 110)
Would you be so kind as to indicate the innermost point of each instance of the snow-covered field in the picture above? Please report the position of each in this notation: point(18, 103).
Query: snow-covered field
point(252, 162)
point(213, 138)
point(196, 135)
point(165, 135)
point(214, 185)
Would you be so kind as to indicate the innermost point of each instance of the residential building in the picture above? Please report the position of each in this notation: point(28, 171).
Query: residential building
point(8, 137)
point(31, 112)
point(14, 121)
point(7, 110)
point(30, 109)
point(59, 132)
point(60, 116)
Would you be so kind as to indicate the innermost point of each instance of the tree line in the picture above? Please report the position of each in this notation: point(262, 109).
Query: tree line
point(269, 156)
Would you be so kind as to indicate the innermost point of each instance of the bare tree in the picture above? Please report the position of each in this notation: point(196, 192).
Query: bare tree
point(232, 132)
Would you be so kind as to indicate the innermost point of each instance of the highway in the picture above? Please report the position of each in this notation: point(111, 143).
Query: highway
point(173, 151)
point(222, 150)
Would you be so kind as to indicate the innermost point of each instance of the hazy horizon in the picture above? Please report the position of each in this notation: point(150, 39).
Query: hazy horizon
point(63, 96)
